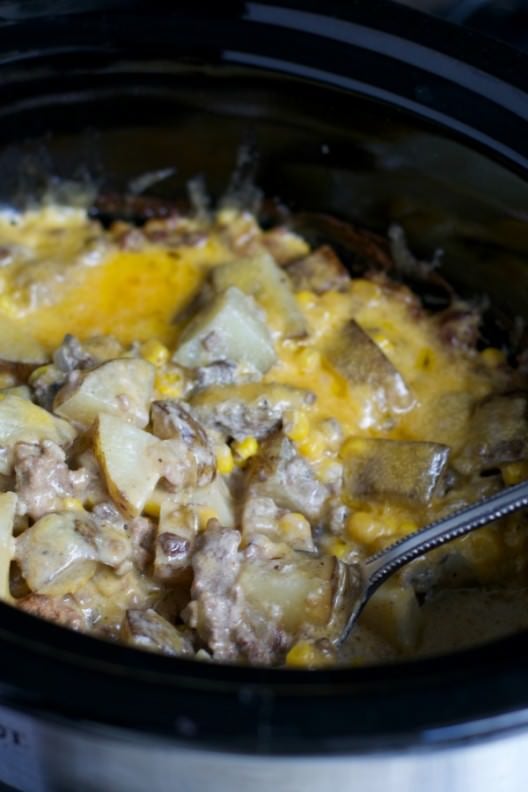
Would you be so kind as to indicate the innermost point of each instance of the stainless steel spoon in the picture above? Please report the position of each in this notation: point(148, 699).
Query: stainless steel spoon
point(370, 574)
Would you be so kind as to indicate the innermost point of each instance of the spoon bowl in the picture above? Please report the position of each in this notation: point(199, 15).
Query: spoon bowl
point(367, 576)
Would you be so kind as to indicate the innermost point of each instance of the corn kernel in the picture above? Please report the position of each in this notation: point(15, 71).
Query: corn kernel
point(407, 527)
point(152, 507)
point(72, 504)
point(155, 500)
point(295, 528)
point(353, 446)
point(308, 360)
point(205, 513)
point(170, 384)
point(381, 339)
point(514, 473)
point(244, 449)
point(381, 543)
point(492, 356)
point(313, 446)
point(8, 306)
point(297, 425)
point(225, 217)
point(224, 459)
point(302, 655)
point(37, 373)
point(329, 471)
point(154, 352)
point(306, 299)
point(7, 380)
point(485, 551)
point(338, 548)
point(338, 384)
point(363, 527)
point(365, 289)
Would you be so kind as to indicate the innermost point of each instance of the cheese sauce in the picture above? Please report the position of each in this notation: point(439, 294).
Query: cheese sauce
point(61, 273)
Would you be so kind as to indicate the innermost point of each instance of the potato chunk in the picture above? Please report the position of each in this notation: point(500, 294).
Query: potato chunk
point(17, 345)
point(54, 555)
point(8, 502)
point(120, 387)
point(319, 272)
point(392, 468)
point(262, 279)
point(280, 473)
point(130, 462)
point(23, 421)
point(498, 434)
point(296, 592)
point(146, 629)
point(254, 606)
point(284, 245)
point(394, 613)
point(216, 498)
point(359, 359)
point(229, 328)
point(171, 421)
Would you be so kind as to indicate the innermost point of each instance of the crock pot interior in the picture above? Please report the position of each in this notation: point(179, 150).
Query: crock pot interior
point(316, 149)
point(320, 149)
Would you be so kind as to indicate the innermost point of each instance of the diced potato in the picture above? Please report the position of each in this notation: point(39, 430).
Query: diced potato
point(498, 434)
point(122, 387)
point(280, 473)
point(229, 328)
point(261, 517)
point(23, 421)
point(112, 543)
point(8, 501)
point(54, 556)
point(284, 245)
point(157, 497)
point(296, 592)
point(17, 345)
point(22, 391)
point(394, 613)
point(216, 497)
point(262, 279)
point(392, 468)
point(359, 359)
point(171, 421)
point(148, 630)
point(130, 463)
point(319, 272)
point(246, 410)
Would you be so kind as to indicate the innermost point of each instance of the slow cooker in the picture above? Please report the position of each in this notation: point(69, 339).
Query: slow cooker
point(368, 112)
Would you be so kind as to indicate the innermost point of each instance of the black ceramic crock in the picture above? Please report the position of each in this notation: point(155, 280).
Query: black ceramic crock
point(367, 111)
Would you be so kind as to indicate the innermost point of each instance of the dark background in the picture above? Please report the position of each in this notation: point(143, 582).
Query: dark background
point(503, 19)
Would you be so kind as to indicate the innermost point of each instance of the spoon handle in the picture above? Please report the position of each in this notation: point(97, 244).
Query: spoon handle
point(380, 566)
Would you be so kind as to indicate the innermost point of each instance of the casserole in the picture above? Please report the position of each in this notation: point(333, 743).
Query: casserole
point(356, 126)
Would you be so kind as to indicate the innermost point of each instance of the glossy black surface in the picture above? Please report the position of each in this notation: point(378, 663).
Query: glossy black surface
point(349, 115)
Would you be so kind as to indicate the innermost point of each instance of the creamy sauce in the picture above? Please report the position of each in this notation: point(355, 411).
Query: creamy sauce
point(64, 275)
